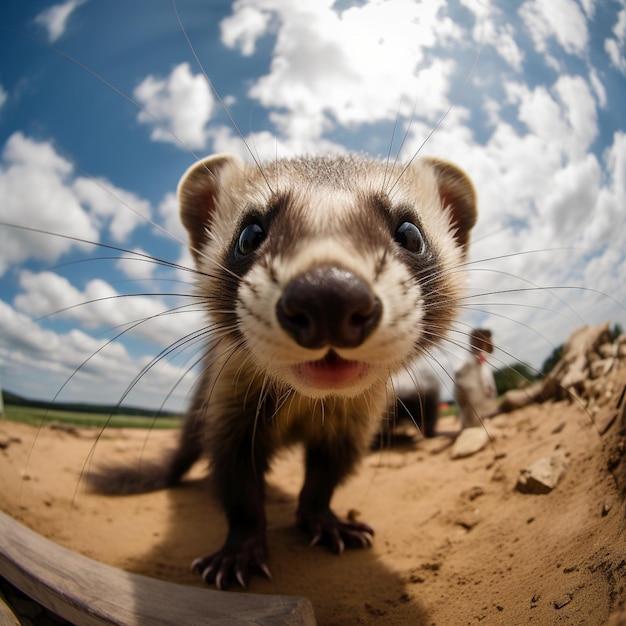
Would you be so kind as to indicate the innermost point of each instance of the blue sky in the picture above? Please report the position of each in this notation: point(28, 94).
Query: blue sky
point(539, 126)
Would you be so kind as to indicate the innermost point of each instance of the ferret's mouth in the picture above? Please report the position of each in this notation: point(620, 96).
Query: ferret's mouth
point(331, 372)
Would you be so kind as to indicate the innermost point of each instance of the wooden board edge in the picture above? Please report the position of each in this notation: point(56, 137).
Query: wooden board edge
point(89, 593)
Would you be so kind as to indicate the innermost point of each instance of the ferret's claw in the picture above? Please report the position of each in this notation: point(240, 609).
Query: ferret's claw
point(234, 562)
point(207, 574)
point(317, 536)
point(240, 580)
point(338, 534)
point(266, 571)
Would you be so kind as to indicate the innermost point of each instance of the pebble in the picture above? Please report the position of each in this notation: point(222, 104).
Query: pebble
point(543, 475)
point(469, 441)
point(564, 600)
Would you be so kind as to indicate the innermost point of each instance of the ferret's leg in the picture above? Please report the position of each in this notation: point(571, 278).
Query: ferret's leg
point(239, 475)
point(429, 405)
point(327, 464)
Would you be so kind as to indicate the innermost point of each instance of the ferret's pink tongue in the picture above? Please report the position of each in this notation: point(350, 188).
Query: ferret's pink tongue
point(331, 372)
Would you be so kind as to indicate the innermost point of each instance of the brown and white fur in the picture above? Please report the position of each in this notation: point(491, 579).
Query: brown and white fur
point(321, 278)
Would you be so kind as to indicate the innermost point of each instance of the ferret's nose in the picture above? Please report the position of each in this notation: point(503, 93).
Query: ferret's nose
point(328, 306)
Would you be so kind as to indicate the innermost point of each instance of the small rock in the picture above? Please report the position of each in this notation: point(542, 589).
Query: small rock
point(372, 610)
point(470, 441)
point(499, 474)
point(543, 475)
point(518, 398)
point(562, 601)
point(467, 519)
point(601, 368)
point(473, 493)
point(416, 579)
point(606, 350)
point(558, 429)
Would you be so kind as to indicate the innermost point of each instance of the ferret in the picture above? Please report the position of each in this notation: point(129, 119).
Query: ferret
point(321, 278)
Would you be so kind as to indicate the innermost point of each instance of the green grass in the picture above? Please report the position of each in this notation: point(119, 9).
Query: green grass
point(37, 416)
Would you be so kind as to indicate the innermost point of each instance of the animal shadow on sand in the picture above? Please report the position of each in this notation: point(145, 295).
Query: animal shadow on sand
point(362, 587)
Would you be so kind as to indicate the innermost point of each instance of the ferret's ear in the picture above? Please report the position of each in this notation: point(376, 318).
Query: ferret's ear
point(198, 192)
point(457, 197)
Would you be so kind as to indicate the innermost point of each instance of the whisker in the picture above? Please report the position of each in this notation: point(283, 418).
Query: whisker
point(453, 103)
point(217, 95)
point(139, 255)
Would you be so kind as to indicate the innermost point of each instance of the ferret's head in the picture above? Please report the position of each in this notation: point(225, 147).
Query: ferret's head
point(328, 273)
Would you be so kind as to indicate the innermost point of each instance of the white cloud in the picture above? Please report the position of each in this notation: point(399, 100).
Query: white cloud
point(39, 187)
point(3, 96)
point(182, 103)
point(137, 266)
point(504, 42)
point(169, 218)
point(565, 115)
point(607, 225)
point(25, 338)
point(579, 111)
point(589, 7)
point(491, 30)
point(328, 67)
point(121, 210)
point(35, 187)
point(571, 199)
point(55, 18)
point(539, 178)
point(100, 306)
point(598, 88)
point(40, 363)
point(561, 20)
point(264, 145)
point(244, 27)
point(614, 47)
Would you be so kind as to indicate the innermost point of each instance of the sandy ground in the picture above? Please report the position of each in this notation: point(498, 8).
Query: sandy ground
point(455, 542)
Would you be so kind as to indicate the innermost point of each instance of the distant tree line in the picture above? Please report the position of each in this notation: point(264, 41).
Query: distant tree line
point(514, 376)
point(15, 400)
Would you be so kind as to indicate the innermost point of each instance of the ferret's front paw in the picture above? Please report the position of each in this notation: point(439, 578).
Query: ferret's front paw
point(235, 561)
point(327, 528)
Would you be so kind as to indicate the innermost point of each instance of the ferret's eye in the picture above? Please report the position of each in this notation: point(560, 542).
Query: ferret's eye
point(410, 237)
point(250, 239)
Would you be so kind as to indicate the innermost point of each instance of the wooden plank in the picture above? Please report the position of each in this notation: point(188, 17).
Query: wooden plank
point(90, 593)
